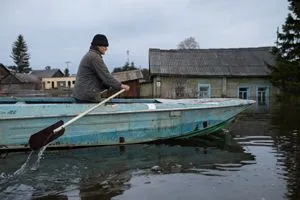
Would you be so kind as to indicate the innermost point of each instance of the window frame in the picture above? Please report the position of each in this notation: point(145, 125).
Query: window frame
point(247, 92)
point(208, 92)
point(260, 99)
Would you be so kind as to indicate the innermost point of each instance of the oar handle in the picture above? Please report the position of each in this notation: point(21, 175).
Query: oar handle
point(87, 111)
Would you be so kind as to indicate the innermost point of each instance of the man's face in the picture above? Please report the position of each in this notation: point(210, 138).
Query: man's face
point(102, 49)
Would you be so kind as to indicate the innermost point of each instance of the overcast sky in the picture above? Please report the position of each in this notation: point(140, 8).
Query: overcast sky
point(57, 31)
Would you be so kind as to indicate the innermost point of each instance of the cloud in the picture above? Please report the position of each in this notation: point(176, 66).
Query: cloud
point(58, 31)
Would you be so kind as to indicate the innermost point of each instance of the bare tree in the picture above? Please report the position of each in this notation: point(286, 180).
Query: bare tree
point(188, 43)
point(179, 87)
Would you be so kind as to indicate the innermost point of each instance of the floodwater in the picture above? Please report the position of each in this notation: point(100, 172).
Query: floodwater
point(256, 158)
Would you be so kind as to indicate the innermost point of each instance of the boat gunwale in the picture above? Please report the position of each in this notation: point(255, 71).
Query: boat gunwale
point(129, 112)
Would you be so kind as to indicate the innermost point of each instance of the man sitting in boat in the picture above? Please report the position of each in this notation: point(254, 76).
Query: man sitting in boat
point(93, 76)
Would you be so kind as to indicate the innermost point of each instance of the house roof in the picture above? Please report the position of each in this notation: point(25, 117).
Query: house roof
point(46, 73)
point(211, 62)
point(3, 71)
point(128, 75)
point(17, 78)
point(27, 78)
point(4, 68)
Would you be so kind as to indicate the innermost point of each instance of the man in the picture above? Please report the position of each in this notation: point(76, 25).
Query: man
point(93, 75)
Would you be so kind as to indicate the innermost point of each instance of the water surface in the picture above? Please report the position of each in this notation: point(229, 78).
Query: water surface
point(258, 159)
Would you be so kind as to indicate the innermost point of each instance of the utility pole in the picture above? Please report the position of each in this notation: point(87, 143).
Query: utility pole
point(67, 63)
point(66, 71)
point(128, 59)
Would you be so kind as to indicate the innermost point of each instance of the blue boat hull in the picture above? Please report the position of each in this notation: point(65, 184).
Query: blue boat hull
point(116, 123)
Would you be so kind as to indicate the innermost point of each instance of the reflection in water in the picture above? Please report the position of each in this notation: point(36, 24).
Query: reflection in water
point(287, 138)
point(279, 122)
point(104, 172)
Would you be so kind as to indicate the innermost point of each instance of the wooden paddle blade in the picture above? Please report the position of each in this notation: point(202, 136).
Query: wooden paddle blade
point(43, 137)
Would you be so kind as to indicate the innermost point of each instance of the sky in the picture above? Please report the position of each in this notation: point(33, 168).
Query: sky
point(59, 32)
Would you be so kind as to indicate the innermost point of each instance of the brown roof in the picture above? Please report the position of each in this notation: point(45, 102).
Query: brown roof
point(211, 62)
point(128, 75)
point(3, 71)
point(27, 78)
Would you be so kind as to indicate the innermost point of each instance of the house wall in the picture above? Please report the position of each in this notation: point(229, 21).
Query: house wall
point(18, 89)
point(146, 90)
point(134, 91)
point(252, 83)
point(58, 82)
point(165, 87)
point(15, 87)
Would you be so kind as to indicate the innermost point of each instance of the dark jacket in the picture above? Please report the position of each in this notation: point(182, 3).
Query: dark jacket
point(93, 77)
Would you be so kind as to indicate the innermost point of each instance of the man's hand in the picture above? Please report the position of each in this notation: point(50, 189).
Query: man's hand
point(125, 87)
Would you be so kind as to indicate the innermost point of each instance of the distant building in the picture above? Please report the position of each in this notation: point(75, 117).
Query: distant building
point(58, 82)
point(17, 83)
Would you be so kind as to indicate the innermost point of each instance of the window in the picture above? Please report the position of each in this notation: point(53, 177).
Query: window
point(244, 93)
point(61, 84)
point(262, 95)
point(204, 91)
point(158, 84)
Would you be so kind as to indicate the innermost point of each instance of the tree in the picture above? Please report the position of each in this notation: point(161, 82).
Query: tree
point(66, 72)
point(20, 55)
point(188, 43)
point(146, 74)
point(48, 67)
point(126, 67)
point(286, 73)
point(178, 89)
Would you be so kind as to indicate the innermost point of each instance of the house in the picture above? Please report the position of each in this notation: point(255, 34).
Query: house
point(18, 84)
point(202, 73)
point(58, 82)
point(131, 78)
point(49, 76)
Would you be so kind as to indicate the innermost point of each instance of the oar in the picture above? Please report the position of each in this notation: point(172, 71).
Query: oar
point(45, 136)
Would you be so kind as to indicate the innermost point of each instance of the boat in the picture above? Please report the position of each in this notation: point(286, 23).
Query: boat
point(117, 122)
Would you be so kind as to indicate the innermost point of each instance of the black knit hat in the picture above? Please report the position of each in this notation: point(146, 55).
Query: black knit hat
point(100, 40)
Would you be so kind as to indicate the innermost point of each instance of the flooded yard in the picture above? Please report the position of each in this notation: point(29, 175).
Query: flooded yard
point(257, 157)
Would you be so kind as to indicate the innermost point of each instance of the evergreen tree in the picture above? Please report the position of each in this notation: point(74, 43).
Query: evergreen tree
point(20, 55)
point(286, 72)
point(146, 74)
point(118, 69)
point(66, 72)
point(127, 67)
